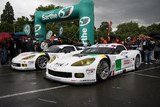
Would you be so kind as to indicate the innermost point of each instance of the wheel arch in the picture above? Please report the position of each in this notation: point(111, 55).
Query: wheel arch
point(107, 59)
point(45, 55)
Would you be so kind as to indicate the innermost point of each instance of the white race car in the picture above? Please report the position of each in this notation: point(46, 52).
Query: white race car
point(38, 60)
point(94, 64)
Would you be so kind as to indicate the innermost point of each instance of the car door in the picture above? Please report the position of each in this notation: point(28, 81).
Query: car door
point(122, 59)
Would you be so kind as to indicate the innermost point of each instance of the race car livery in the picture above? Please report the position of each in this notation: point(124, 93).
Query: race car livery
point(93, 64)
point(38, 60)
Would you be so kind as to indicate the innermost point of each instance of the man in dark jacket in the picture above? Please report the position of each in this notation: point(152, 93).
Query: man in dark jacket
point(148, 47)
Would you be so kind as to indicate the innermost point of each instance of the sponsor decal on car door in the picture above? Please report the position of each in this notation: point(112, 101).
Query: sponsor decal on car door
point(118, 64)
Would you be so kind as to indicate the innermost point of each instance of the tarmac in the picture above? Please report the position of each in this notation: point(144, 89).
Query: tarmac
point(139, 88)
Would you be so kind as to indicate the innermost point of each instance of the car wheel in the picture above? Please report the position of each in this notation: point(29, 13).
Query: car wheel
point(102, 70)
point(41, 62)
point(137, 62)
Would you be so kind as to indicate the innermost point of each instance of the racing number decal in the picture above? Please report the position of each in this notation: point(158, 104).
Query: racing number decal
point(118, 64)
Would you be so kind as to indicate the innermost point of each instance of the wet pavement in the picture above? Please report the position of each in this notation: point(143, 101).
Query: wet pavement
point(29, 89)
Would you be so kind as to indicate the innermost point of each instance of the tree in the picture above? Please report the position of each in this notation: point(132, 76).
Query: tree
point(6, 27)
point(8, 14)
point(49, 7)
point(7, 18)
point(21, 21)
point(153, 28)
point(127, 29)
point(143, 30)
point(102, 31)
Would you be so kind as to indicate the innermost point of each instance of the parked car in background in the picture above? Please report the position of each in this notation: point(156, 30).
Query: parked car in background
point(38, 60)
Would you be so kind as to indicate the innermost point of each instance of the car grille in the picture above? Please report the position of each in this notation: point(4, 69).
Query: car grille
point(60, 74)
point(16, 64)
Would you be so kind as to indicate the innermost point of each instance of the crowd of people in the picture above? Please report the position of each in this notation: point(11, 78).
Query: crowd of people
point(11, 47)
point(149, 48)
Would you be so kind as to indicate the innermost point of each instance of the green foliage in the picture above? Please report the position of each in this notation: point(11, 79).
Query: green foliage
point(127, 29)
point(47, 8)
point(101, 31)
point(7, 18)
point(6, 27)
point(143, 30)
point(153, 28)
point(8, 14)
point(21, 21)
point(133, 29)
point(70, 28)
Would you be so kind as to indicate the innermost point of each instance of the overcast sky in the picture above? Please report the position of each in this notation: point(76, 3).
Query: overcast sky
point(145, 12)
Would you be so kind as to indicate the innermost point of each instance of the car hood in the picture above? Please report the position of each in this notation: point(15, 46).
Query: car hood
point(74, 58)
point(26, 54)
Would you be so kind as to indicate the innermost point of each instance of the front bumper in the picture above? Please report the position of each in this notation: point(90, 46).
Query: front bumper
point(75, 75)
point(25, 65)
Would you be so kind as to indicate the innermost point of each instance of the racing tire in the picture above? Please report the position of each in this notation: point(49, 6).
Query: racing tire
point(102, 71)
point(41, 62)
point(137, 62)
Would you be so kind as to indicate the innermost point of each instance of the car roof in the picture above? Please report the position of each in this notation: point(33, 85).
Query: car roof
point(110, 45)
point(61, 46)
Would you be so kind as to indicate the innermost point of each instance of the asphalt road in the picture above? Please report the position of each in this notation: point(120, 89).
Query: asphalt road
point(29, 89)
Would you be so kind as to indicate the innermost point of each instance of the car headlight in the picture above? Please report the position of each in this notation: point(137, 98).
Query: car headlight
point(28, 57)
point(52, 59)
point(84, 62)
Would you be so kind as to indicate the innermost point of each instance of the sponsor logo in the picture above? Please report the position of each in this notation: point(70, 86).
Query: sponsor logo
point(27, 29)
point(118, 64)
point(49, 34)
point(125, 62)
point(84, 36)
point(31, 62)
point(84, 21)
point(49, 16)
point(60, 64)
point(37, 27)
point(91, 80)
point(90, 71)
point(65, 12)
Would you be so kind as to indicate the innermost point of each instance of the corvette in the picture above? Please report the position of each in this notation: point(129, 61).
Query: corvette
point(93, 64)
point(38, 60)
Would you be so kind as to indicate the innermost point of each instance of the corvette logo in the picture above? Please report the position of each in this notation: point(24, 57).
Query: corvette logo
point(84, 21)
point(65, 12)
point(61, 64)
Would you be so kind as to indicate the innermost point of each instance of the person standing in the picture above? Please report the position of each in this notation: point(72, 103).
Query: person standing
point(148, 48)
point(4, 53)
point(103, 41)
point(12, 48)
point(157, 51)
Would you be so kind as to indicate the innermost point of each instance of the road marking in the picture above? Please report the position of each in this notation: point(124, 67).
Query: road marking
point(148, 69)
point(148, 75)
point(151, 76)
point(48, 101)
point(34, 91)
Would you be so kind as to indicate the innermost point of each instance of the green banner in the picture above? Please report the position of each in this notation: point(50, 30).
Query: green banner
point(84, 11)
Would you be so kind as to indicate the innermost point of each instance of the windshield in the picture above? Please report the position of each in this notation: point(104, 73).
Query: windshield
point(99, 50)
point(54, 49)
